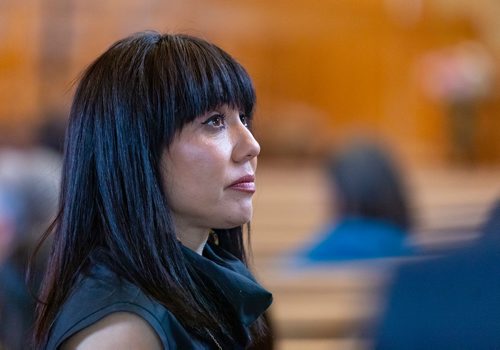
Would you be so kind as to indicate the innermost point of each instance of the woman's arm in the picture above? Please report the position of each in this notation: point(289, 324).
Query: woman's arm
point(119, 330)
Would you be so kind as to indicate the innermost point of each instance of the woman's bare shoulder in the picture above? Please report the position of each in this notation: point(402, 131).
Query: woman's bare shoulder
point(119, 330)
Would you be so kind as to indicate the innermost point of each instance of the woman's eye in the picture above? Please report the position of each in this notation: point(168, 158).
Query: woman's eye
point(245, 120)
point(216, 121)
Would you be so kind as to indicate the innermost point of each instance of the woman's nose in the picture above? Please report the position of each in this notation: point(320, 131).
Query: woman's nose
point(246, 146)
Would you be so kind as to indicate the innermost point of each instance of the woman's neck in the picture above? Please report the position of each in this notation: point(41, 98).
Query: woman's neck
point(194, 238)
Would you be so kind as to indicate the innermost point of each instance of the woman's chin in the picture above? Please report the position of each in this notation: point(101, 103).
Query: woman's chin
point(236, 220)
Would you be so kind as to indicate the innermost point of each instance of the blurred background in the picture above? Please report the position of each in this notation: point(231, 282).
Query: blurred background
point(417, 78)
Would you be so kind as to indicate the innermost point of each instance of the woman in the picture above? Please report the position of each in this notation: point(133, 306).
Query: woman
point(158, 180)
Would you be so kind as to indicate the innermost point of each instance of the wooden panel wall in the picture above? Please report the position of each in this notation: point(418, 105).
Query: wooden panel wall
point(324, 70)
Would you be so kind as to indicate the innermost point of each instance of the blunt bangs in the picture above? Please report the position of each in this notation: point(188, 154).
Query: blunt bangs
point(148, 86)
point(204, 77)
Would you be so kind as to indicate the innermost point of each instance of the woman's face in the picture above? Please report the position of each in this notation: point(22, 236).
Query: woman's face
point(209, 171)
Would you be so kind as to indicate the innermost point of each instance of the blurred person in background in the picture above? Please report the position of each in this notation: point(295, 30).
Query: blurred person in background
point(29, 183)
point(158, 179)
point(461, 77)
point(52, 131)
point(16, 307)
point(371, 217)
point(448, 302)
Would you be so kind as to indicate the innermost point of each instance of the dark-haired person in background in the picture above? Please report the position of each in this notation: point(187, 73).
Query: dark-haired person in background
point(450, 302)
point(370, 207)
point(158, 179)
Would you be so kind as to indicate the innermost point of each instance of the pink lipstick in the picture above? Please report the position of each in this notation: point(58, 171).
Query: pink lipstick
point(244, 184)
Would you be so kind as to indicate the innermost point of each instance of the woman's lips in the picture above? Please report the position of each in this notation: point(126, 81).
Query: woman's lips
point(244, 184)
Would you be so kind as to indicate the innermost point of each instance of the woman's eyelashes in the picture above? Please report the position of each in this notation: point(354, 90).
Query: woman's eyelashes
point(219, 121)
point(245, 120)
point(216, 120)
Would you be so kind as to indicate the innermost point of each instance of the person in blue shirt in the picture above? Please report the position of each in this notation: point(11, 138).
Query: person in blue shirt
point(371, 210)
point(449, 301)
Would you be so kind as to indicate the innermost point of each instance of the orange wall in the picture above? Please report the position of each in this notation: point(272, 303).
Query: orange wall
point(323, 69)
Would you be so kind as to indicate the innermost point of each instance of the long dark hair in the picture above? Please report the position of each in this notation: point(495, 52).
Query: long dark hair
point(127, 108)
point(368, 184)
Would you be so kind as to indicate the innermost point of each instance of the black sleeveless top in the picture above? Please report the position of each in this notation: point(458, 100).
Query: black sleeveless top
point(101, 292)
